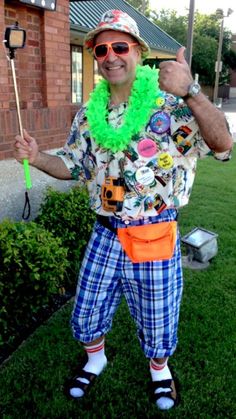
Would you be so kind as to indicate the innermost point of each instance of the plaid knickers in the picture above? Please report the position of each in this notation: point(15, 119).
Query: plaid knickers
point(152, 290)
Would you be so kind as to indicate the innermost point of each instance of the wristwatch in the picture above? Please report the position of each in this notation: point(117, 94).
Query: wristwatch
point(193, 89)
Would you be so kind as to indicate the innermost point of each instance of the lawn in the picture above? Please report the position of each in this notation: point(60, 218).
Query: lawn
point(31, 382)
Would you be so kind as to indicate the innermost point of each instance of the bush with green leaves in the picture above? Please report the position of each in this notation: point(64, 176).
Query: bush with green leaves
point(33, 265)
point(67, 215)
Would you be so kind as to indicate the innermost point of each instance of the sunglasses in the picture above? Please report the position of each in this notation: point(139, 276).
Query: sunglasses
point(101, 51)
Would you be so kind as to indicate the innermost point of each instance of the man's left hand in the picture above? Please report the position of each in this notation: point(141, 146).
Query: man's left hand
point(175, 76)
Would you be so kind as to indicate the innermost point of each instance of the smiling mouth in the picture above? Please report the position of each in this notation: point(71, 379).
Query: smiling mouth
point(115, 67)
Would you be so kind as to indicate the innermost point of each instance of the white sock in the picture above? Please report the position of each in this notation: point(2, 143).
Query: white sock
point(161, 372)
point(97, 361)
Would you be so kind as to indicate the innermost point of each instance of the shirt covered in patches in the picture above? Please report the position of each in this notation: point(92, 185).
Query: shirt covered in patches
point(157, 168)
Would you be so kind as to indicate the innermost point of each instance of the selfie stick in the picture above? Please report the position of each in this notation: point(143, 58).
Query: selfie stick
point(25, 161)
point(15, 38)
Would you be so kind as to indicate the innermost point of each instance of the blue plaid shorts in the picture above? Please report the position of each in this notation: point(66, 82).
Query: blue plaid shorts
point(153, 291)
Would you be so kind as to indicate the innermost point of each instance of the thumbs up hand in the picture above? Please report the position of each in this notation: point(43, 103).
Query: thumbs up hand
point(175, 76)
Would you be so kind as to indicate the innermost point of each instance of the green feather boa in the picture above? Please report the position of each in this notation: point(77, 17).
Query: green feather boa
point(144, 93)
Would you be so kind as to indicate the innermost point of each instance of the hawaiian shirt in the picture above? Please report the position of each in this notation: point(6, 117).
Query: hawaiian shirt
point(157, 168)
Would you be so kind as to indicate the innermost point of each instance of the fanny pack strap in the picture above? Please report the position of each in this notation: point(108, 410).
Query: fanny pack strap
point(104, 221)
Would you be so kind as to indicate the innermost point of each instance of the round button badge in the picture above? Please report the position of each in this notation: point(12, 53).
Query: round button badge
point(165, 161)
point(145, 176)
point(147, 147)
point(160, 122)
point(160, 101)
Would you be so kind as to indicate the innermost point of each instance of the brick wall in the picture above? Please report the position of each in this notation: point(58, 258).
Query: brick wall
point(43, 76)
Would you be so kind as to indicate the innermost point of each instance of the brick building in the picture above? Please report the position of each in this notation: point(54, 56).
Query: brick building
point(43, 75)
point(54, 72)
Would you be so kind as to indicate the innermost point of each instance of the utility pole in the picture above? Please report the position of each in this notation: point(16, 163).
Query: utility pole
point(218, 62)
point(190, 33)
point(143, 6)
point(220, 14)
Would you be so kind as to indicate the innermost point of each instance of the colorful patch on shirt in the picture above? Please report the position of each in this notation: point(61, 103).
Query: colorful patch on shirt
point(88, 160)
point(182, 113)
point(136, 138)
point(180, 138)
point(76, 172)
point(171, 100)
point(131, 154)
point(165, 139)
point(155, 202)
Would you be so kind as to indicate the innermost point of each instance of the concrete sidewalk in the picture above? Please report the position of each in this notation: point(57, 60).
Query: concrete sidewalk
point(12, 189)
point(12, 183)
point(229, 105)
point(229, 108)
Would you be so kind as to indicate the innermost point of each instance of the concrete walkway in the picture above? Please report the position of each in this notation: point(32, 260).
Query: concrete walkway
point(12, 183)
point(12, 189)
point(229, 108)
point(229, 105)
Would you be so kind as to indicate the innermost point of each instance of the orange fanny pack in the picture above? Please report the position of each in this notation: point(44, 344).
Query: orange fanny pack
point(150, 242)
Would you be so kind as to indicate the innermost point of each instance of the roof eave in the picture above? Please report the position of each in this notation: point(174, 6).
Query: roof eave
point(77, 28)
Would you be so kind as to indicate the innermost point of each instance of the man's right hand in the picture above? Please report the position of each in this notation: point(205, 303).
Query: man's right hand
point(25, 148)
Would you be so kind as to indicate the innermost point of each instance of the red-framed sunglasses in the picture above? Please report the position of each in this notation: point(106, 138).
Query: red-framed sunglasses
point(101, 51)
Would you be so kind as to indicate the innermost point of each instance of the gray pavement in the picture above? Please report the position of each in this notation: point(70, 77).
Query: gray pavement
point(229, 108)
point(12, 189)
point(229, 105)
point(12, 184)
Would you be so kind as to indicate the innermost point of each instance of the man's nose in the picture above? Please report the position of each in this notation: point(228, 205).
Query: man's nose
point(111, 56)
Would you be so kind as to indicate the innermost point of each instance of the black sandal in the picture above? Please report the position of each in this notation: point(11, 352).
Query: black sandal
point(170, 394)
point(76, 383)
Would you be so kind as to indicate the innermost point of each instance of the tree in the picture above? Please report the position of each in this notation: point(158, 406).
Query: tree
point(230, 59)
point(172, 24)
point(205, 42)
point(140, 5)
point(203, 59)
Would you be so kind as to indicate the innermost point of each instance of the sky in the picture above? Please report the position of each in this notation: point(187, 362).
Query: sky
point(203, 6)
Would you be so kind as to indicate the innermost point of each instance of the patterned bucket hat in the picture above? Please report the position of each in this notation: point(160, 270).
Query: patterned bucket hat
point(119, 21)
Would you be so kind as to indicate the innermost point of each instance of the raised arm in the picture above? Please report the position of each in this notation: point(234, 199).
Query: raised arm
point(175, 78)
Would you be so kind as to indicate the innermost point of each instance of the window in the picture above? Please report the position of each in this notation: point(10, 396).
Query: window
point(77, 74)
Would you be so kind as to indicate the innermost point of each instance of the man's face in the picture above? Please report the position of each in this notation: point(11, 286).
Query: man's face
point(118, 69)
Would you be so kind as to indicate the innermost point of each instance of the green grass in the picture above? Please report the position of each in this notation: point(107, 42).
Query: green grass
point(31, 382)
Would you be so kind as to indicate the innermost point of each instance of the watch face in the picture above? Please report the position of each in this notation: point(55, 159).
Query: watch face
point(194, 89)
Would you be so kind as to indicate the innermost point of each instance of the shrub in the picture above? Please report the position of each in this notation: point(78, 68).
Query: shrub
point(67, 215)
point(33, 264)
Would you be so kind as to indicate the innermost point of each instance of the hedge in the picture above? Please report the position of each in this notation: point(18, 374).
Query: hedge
point(33, 266)
point(67, 215)
point(40, 259)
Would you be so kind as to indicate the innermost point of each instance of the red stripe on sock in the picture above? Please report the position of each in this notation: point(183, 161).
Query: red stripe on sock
point(94, 349)
point(157, 367)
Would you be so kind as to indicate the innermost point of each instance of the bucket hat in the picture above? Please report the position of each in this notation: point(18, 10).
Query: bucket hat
point(119, 21)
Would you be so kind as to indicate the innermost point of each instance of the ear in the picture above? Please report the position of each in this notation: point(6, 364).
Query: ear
point(139, 54)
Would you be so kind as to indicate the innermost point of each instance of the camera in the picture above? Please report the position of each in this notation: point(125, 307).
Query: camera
point(113, 194)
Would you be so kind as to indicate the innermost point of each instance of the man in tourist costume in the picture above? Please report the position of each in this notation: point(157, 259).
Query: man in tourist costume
point(135, 146)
